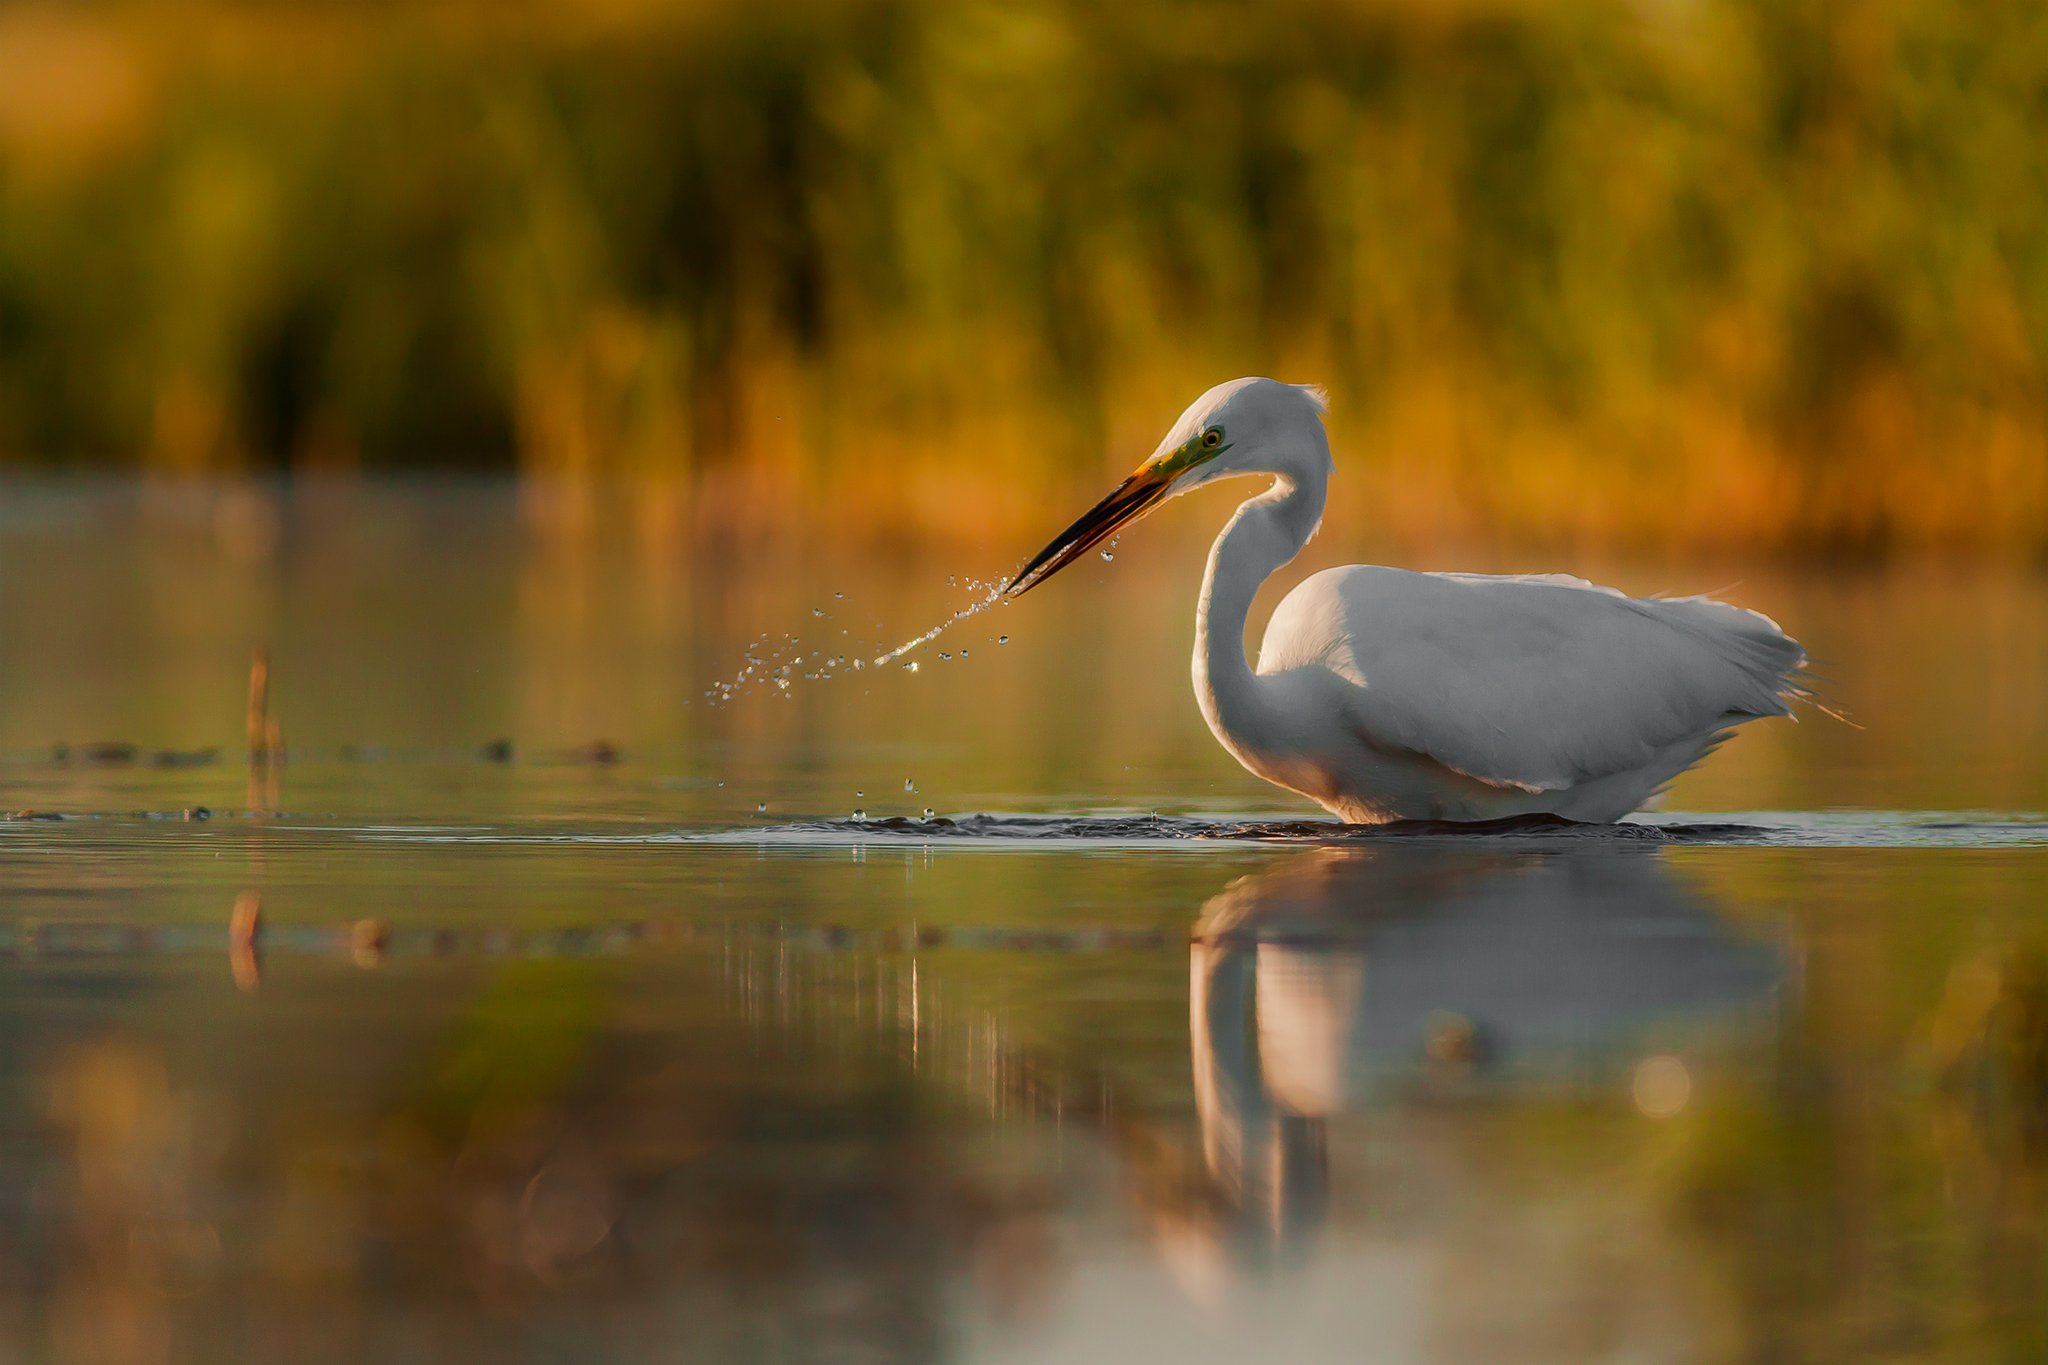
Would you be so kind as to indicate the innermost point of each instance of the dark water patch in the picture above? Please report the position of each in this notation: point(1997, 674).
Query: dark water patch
point(362, 939)
point(1145, 829)
point(185, 814)
point(1877, 829)
point(184, 758)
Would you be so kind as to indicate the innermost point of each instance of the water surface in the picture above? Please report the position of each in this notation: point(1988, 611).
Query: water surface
point(584, 1024)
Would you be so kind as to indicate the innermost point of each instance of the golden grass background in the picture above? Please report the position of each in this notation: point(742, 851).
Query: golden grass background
point(1750, 276)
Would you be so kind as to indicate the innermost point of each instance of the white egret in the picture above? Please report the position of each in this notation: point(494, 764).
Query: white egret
point(1384, 694)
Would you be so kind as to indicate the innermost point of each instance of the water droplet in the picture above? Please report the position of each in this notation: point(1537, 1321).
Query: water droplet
point(859, 664)
point(859, 794)
point(929, 812)
point(839, 595)
point(782, 683)
point(859, 815)
point(1002, 639)
point(909, 785)
point(963, 653)
point(910, 667)
point(1108, 558)
point(943, 656)
point(760, 808)
point(817, 611)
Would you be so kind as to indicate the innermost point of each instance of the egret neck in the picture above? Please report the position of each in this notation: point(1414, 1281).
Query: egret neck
point(1265, 534)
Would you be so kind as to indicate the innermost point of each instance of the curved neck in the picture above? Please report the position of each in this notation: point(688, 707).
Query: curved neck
point(1267, 532)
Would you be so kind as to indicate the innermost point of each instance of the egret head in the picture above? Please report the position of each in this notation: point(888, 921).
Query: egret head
point(1247, 426)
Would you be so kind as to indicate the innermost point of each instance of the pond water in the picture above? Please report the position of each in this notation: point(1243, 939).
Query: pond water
point(530, 1004)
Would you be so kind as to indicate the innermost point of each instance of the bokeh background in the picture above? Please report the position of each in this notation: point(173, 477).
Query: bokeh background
point(411, 411)
point(1764, 277)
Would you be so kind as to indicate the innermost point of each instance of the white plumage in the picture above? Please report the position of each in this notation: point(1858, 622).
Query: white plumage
point(1387, 694)
point(1546, 692)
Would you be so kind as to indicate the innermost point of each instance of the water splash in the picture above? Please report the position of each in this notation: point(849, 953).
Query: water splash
point(991, 594)
point(773, 663)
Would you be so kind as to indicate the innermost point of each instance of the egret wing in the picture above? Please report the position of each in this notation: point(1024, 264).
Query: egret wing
point(1538, 682)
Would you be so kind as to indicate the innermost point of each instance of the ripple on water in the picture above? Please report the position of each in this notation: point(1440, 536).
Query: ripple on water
point(1769, 829)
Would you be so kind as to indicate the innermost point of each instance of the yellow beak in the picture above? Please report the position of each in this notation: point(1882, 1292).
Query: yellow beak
point(1132, 498)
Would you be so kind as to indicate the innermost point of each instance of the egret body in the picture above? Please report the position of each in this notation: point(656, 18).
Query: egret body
point(1384, 694)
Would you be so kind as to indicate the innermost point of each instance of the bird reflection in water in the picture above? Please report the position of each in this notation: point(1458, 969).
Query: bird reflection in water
point(1350, 980)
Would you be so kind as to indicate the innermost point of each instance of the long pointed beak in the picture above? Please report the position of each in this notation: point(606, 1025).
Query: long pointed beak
point(1132, 498)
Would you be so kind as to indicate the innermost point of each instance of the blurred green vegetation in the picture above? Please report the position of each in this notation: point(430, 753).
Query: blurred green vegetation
point(1698, 273)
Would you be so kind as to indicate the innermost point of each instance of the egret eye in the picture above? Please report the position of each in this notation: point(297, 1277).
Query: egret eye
point(1212, 438)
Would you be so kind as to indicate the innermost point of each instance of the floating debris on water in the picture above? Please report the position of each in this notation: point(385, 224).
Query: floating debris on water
point(910, 667)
